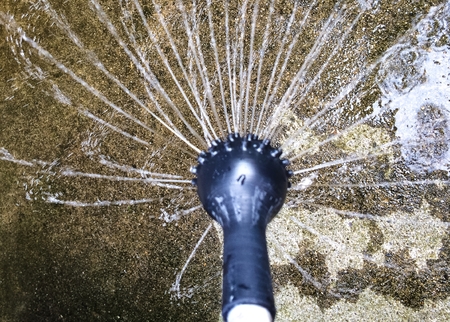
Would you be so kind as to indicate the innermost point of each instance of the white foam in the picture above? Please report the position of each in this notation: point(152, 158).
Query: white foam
point(416, 85)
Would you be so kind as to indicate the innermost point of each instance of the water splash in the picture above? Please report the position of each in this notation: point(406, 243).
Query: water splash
point(358, 102)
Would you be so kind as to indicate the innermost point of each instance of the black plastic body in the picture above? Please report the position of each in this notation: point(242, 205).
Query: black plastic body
point(246, 271)
point(242, 184)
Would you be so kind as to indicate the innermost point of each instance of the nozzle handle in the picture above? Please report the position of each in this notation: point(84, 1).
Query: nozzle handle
point(246, 270)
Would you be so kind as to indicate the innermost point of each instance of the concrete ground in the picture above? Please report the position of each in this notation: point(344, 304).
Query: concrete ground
point(79, 247)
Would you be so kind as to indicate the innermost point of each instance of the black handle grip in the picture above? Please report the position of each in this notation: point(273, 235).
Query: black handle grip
point(246, 270)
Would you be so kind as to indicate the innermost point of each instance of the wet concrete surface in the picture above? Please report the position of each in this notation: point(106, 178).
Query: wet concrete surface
point(61, 262)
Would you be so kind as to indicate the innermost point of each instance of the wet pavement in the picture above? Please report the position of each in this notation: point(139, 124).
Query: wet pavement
point(86, 233)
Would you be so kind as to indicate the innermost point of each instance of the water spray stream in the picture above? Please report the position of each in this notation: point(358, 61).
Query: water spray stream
point(106, 104)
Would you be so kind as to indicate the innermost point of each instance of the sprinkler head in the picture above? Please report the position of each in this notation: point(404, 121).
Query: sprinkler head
point(242, 184)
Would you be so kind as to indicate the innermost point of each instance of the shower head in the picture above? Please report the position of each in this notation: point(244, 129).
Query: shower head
point(242, 184)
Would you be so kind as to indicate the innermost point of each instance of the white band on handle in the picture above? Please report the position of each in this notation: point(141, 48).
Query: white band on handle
point(249, 313)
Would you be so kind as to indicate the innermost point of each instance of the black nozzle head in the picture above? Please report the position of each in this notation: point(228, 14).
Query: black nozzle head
point(242, 180)
point(242, 184)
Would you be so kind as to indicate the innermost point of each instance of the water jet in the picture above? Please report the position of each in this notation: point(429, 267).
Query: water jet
point(108, 115)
